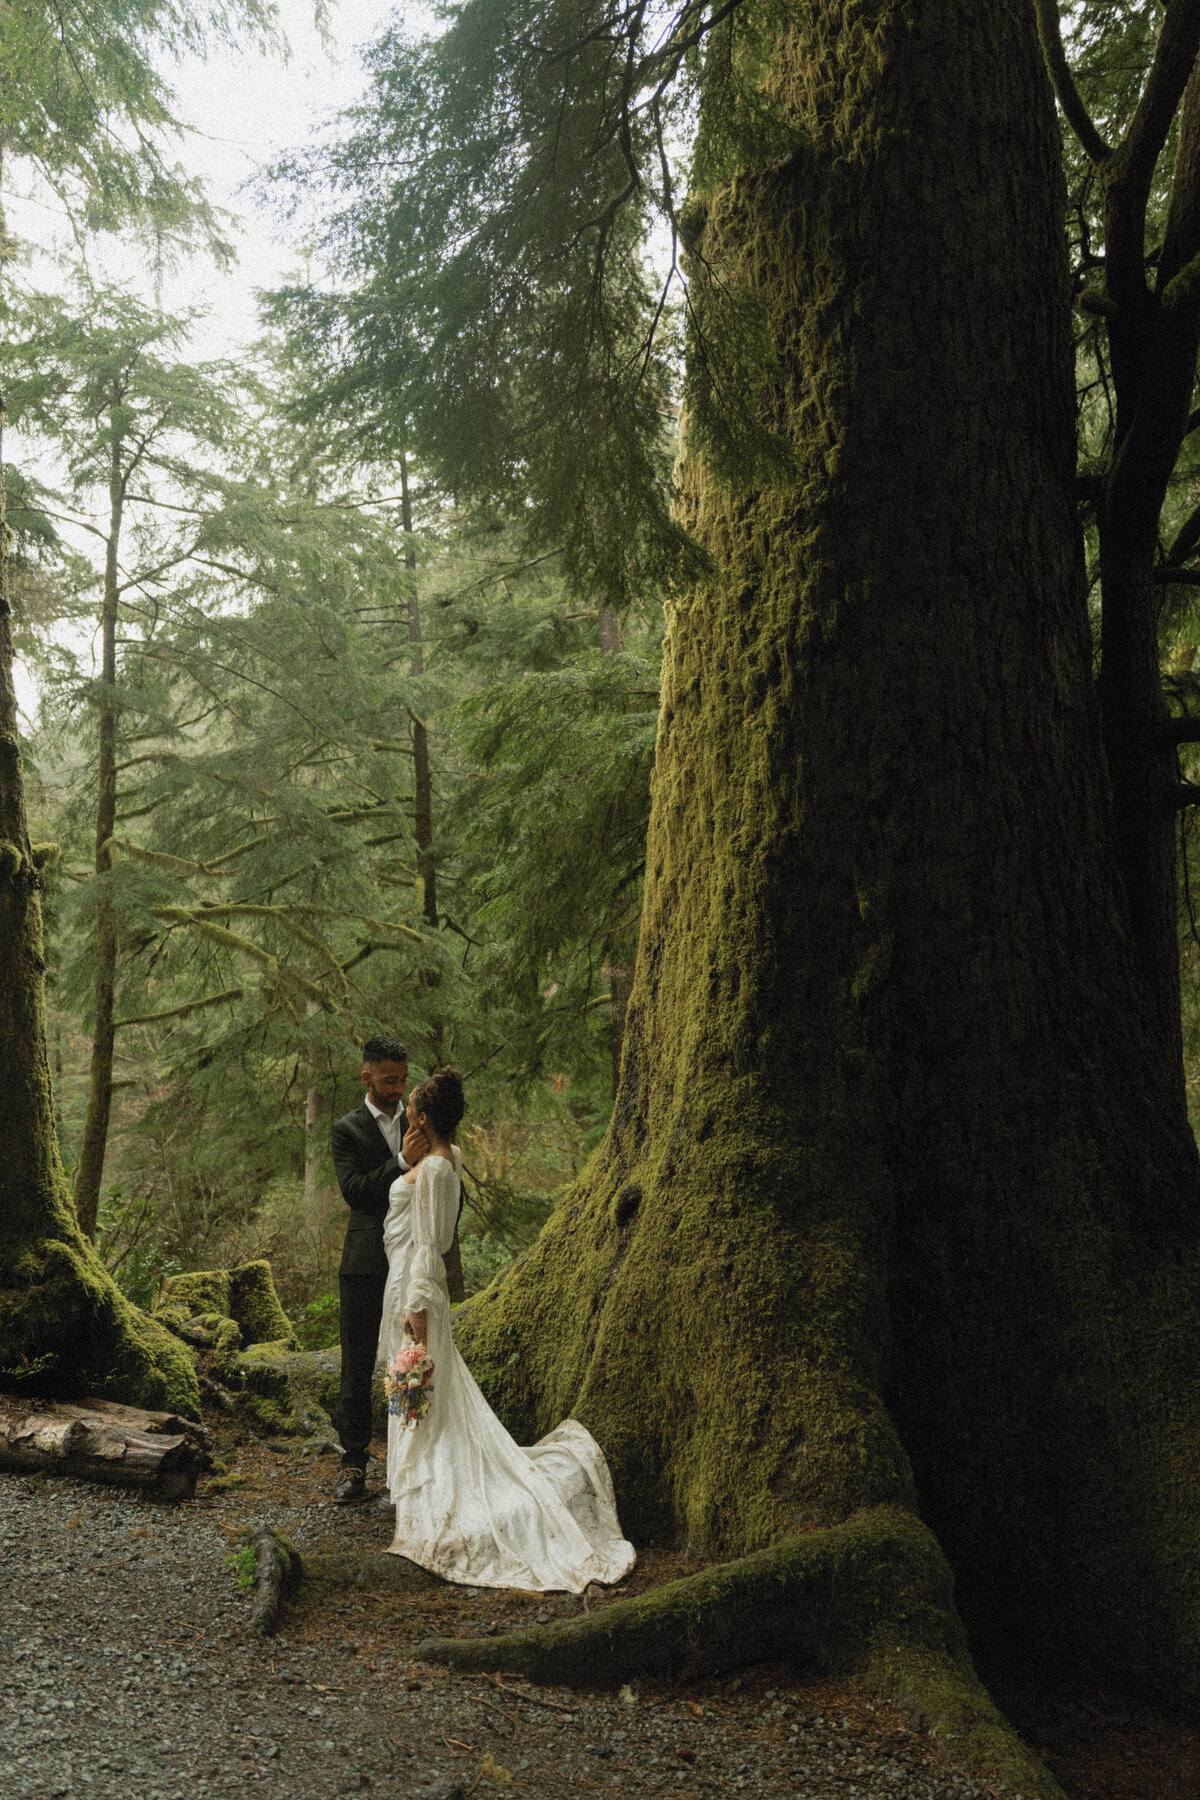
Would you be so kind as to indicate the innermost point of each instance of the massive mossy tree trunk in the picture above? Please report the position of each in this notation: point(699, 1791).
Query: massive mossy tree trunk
point(65, 1329)
point(899, 1207)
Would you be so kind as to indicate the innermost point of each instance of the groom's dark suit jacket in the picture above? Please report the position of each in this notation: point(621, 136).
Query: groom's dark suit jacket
point(365, 1171)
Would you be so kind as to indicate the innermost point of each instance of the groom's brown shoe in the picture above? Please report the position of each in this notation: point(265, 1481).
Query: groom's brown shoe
point(352, 1486)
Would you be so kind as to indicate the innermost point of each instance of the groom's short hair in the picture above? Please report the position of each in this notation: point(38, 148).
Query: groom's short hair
point(384, 1049)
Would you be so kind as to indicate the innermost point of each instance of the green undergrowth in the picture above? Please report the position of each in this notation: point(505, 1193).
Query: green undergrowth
point(871, 1597)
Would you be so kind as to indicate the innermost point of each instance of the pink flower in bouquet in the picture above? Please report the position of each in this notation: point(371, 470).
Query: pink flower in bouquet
point(410, 1384)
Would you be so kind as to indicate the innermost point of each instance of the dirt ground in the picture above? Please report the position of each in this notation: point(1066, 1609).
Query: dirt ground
point(1099, 1745)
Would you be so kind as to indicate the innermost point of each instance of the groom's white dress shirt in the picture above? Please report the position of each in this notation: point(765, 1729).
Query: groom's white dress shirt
point(392, 1129)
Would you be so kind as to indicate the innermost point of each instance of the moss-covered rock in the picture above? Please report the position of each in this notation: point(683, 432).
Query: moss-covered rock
point(290, 1392)
point(226, 1344)
point(66, 1329)
point(245, 1294)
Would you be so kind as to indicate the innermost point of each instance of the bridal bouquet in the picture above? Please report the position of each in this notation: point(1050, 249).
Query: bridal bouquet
point(410, 1384)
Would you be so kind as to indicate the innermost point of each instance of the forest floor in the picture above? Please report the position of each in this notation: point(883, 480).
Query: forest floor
point(126, 1670)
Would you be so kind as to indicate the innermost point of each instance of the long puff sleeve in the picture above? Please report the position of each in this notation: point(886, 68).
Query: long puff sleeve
point(434, 1212)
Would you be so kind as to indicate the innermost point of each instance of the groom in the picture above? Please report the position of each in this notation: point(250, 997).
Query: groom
point(372, 1146)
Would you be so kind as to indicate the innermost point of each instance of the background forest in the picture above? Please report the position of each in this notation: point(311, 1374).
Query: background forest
point(371, 767)
point(339, 728)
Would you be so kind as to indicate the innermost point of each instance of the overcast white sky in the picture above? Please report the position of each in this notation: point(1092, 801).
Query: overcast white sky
point(244, 109)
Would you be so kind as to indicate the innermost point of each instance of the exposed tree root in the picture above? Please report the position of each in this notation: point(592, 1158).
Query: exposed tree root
point(872, 1597)
point(277, 1571)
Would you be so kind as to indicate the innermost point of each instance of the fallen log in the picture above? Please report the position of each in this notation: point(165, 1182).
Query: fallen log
point(102, 1440)
point(277, 1572)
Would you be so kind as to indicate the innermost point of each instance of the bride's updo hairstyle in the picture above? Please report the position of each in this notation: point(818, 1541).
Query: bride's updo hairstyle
point(441, 1096)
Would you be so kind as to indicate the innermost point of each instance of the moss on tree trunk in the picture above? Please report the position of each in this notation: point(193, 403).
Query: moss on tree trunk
point(899, 1204)
point(65, 1328)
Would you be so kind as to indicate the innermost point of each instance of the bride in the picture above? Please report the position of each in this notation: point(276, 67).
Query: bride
point(470, 1504)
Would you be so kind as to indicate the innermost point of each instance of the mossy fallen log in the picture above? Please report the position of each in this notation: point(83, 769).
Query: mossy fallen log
point(104, 1441)
point(871, 1597)
point(277, 1572)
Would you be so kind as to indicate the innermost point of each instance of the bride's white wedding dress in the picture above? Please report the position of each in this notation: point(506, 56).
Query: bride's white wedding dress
point(471, 1505)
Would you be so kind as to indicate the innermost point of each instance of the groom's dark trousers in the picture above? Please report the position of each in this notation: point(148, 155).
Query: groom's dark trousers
point(365, 1171)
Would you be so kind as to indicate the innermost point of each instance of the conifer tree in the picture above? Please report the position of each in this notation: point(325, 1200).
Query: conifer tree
point(96, 376)
point(80, 88)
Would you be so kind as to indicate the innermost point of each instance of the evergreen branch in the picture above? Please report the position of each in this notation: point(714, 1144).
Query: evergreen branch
point(503, 572)
point(182, 1012)
point(154, 756)
point(352, 815)
point(1177, 577)
point(228, 940)
point(139, 812)
point(209, 562)
point(255, 843)
point(157, 654)
point(1186, 538)
point(362, 954)
point(158, 859)
point(284, 915)
point(672, 54)
point(79, 524)
point(152, 574)
point(387, 925)
point(1174, 60)
point(193, 512)
point(231, 940)
point(393, 837)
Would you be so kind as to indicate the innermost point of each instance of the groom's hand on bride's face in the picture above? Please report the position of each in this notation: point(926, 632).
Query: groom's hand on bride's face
point(414, 1146)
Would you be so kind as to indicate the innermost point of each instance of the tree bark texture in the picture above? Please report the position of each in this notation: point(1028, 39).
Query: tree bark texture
point(89, 1171)
point(898, 1206)
point(422, 778)
point(64, 1326)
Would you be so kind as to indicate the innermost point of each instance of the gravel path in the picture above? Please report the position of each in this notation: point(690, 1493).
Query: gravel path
point(126, 1671)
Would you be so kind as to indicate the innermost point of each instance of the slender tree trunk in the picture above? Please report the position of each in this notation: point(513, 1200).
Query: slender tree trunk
point(899, 1178)
point(423, 812)
point(1153, 343)
point(315, 1111)
point(608, 628)
point(64, 1327)
point(1143, 768)
point(89, 1171)
point(422, 781)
